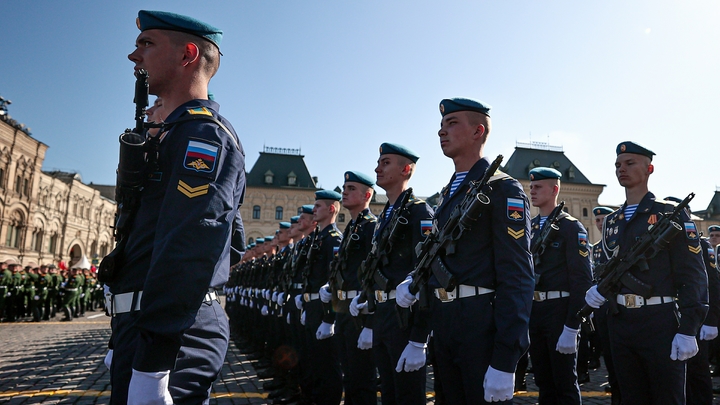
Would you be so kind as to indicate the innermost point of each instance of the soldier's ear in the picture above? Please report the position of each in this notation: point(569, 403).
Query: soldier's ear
point(650, 169)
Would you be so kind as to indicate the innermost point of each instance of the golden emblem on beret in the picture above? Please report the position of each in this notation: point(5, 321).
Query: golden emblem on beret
point(442, 108)
point(532, 177)
point(347, 176)
point(622, 148)
point(137, 22)
point(380, 149)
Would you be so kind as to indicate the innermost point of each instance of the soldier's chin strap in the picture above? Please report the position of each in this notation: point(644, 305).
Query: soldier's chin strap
point(168, 125)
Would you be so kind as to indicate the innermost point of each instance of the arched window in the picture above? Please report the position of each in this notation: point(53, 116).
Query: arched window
point(278, 213)
point(256, 212)
point(251, 240)
point(585, 212)
point(341, 217)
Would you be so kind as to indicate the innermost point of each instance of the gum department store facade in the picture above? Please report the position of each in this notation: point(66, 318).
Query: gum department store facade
point(53, 217)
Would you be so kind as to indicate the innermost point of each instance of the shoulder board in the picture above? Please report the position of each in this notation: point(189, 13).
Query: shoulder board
point(370, 217)
point(334, 233)
point(196, 115)
point(499, 176)
point(199, 111)
point(418, 201)
point(568, 217)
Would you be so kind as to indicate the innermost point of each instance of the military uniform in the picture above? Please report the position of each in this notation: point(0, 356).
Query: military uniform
point(182, 231)
point(6, 280)
point(641, 335)
point(562, 275)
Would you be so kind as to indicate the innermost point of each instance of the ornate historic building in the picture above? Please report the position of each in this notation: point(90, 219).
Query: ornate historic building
point(46, 217)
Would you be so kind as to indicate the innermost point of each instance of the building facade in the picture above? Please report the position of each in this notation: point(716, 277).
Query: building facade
point(47, 217)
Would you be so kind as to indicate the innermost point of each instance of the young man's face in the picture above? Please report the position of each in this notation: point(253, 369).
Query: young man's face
point(599, 221)
point(714, 238)
point(632, 170)
point(156, 53)
point(455, 133)
point(354, 195)
point(542, 192)
point(322, 211)
point(389, 170)
point(306, 223)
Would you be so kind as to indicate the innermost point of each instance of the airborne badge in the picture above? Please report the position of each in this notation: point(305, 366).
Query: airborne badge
point(426, 226)
point(711, 255)
point(652, 219)
point(516, 209)
point(200, 156)
point(582, 240)
point(691, 231)
point(335, 250)
point(516, 234)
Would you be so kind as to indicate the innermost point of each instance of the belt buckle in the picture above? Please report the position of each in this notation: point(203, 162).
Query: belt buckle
point(380, 296)
point(443, 296)
point(306, 297)
point(538, 296)
point(342, 295)
point(631, 301)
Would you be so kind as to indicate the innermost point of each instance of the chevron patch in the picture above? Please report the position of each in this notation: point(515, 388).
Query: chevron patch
point(583, 254)
point(199, 111)
point(516, 234)
point(192, 192)
point(695, 249)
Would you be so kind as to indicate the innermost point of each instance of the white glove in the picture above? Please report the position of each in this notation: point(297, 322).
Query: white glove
point(708, 332)
point(8, 295)
point(412, 358)
point(108, 359)
point(402, 296)
point(325, 330)
point(365, 339)
point(567, 342)
point(683, 347)
point(281, 299)
point(325, 294)
point(302, 318)
point(274, 296)
point(593, 297)
point(266, 294)
point(264, 310)
point(287, 319)
point(498, 385)
point(36, 298)
point(299, 301)
point(356, 309)
point(82, 295)
point(149, 388)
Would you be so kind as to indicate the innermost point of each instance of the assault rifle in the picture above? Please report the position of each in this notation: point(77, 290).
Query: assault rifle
point(615, 273)
point(131, 175)
point(369, 271)
point(310, 251)
point(339, 263)
point(548, 234)
point(443, 240)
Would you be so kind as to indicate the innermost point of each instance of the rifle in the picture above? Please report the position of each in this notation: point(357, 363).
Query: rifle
point(131, 173)
point(461, 219)
point(369, 272)
point(547, 235)
point(309, 251)
point(615, 273)
point(339, 262)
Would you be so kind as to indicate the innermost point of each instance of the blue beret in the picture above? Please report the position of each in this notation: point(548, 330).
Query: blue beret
point(162, 20)
point(602, 210)
point(451, 105)
point(307, 209)
point(259, 241)
point(631, 147)
point(252, 245)
point(713, 228)
point(294, 219)
point(395, 149)
point(269, 238)
point(284, 225)
point(327, 195)
point(543, 173)
point(358, 177)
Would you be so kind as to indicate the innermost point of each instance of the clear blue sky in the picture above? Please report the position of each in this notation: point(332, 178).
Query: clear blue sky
point(337, 78)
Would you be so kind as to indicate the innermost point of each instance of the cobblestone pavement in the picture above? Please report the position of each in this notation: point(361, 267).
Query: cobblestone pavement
point(67, 368)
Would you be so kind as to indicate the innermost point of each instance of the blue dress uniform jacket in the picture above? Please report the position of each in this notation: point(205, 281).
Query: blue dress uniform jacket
point(565, 265)
point(180, 242)
point(709, 257)
point(357, 243)
point(677, 271)
point(495, 254)
point(328, 242)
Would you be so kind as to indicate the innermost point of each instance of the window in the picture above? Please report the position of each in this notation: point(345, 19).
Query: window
point(269, 177)
point(18, 184)
point(585, 212)
point(278, 213)
point(52, 243)
point(251, 240)
point(13, 239)
point(36, 244)
point(26, 187)
point(341, 217)
point(292, 179)
point(2, 178)
point(256, 212)
point(299, 210)
point(104, 249)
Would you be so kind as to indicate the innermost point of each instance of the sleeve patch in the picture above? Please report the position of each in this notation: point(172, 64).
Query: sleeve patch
point(516, 234)
point(515, 209)
point(691, 231)
point(201, 156)
point(583, 253)
point(694, 249)
point(426, 226)
point(192, 192)
point(582, 240)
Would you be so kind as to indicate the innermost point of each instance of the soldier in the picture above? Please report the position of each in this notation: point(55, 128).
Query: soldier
point(326, 386)
point(41, 292)
point(562, 275)
point(399, 350)
point(188, 218)
point(18, 288)
point(71, 292)
point(52, 306)
point(354, 340)
point(481, 327)
point(650, 340)
point(6, 280)
point(31, 278)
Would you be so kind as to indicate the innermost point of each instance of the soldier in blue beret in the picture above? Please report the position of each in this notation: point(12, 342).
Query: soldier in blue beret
point(353, 342)
point(188, 228)
point(259, 241)
point(645, 372)
point(285, 225)
point(562, 275)
point(602, 211)
point(400, 354)
point(714, 235)
point(491, 263)
point(294, 219)
point(307, 209)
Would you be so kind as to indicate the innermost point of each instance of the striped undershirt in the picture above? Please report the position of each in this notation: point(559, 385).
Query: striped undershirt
point(459, 177)
point(630, 211)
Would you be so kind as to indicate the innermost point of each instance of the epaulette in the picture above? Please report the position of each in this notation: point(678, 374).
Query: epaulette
point(499, 175)
point(369, 217)
point(568, 217)
point(418, 201)
point(201, 113)
point(335, 233)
